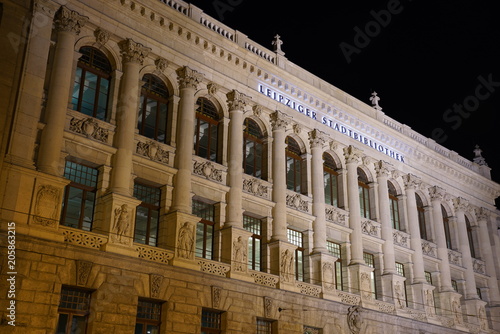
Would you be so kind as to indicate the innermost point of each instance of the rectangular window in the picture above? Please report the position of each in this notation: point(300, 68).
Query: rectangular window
point(204, 228)
point(254, 225)
point(400, 269)
point(74, 307)
point(335, 250)
point(295, 237)
point(148, 317)
point(147, 214)
point(454, 285)
point(211, 322)
point(364, 201)
point(79, 196)
point(312, 330)
point(428, 277)
point(394, 209)
point(264, 326)
point(478, 290)
point(370, 262)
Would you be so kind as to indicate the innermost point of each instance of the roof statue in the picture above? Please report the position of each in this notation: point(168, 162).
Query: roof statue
point(374, 98)
point(277, 42)
point(479, 158)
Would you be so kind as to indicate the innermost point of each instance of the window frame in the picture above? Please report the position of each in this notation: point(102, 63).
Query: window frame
point(330, 173)
point(297, 238)
point(202, 115)
point(364, 194)
point(203, 226)
point(254, 241)
point(422, 223)
point(218, 316)
point(257, 141)
point(72, 312)
point(394, 207)
point(147, 95)
point(150, 207)
point(370, 262)
point(294, 156)
point(148, 321)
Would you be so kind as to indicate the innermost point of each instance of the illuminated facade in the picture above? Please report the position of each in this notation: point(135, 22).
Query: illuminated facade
point(161, 171)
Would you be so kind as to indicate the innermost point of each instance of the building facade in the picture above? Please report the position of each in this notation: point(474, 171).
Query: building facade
point(163, 173)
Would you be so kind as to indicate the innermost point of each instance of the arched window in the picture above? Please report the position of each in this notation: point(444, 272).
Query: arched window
point(470, 237)
point(394, 207)
point(446, 225)
point(421, 217)
point(330, 180)
point(91, 88)
point(253, 149)
point(206, 134)
point(364, 194)
point(152, 119)
point(293, 165)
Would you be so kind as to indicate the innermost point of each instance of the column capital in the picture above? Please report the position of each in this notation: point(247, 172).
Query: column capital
point(69, 20)
point(352, 154)
point(317, 138)
point(460, 204)
point(237, 100)
point(188, 78)
point(279, 120)
point(383, 168)
point(132, 51)
point(411, 181)
point(437, 193)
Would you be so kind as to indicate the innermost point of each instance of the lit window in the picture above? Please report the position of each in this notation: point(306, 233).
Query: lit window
point(211, 322)
point(204, 228)
point(152, 118)
point(335, 249)
point(253, 149)
point(148, 317)
point(370, 262)
point(254, 225)
point(364, 194)
point(330, 180)
point(295, 237)
point(79, 196)
point(428, 277)
point(147, 214)
point(293, 165)
point(394, 207)
point(74, 307)
point(206, 135)
point(91, 87)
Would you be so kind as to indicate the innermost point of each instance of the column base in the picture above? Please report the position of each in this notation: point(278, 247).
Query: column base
point(283, 264)
point(393, 290)
point(323, 273)
point(235, 251)
point(360, 278)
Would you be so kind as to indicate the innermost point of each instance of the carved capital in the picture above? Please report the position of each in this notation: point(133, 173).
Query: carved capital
point(352, 154)
point(132, 51)
point(437, 193)
point(411, 181)
point(69, 20)
point(279, 120)
point(460, 204)
point(188, 78)
point(383, 168)
point(317, 138)
point(237, 100)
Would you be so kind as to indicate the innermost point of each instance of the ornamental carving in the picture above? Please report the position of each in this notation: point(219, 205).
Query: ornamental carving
point(161, 64)
point(265, 279)
point(154, 254)
point(85, 239)
point(46, 205)
point(240, 248)
point(478, 266)
point(365, 286)
point(153, 151)
point(90, 128)
point(460, 204)
point(188, 78)
point(352, 154)
point(121, 225)
point(383, 169)
point(279, 120)
point(411, 181)
point(328, 276)
point(286, 266)
point(400, 239)
point(483, 321)
point(309, 289)
point(317, 138)
point(212, 88)
point(155, 285)
point(69, 20)
point(257, 110)
point(208, 170)
point(295, 201)
point(185, 241)
point(399, 295)
point(237, 100)
point(214, 268)
point(216, 296)
point(333, 215)
point(101, 36)
point(83, 269)
point(369, 228)
point(456, 308)
point(354, 319)
point(268, 307)
point(482, 214)
point(255, 187)
point(348, 298)
point(436, 193)
point(132, 51)
point(430, 309)
point(428, 249)
point(454, 257)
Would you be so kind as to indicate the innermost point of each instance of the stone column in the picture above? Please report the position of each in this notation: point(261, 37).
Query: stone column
point(317, 139)
point(353, 158)
point(133, 55)
point(188, 82)
point(411, 183)
point(67, 24)
point(279, 122)
point(460, 204)
point(487, 255)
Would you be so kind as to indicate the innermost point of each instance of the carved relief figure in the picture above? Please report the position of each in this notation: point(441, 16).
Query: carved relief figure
point(47, 200)
point(186, 241)
point(456, 308)
point(429, 303)
point(399, 295)
point(239, 254)
point(122, 223)
point(286, 265)
point(366, 288)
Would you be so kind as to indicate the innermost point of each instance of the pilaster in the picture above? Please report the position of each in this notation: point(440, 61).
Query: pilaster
point(282, 256)
point(323, 273)
point(235, 251)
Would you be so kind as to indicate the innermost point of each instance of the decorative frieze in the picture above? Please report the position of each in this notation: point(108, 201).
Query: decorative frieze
point(208, 170)
point(153, 150)
point(154, 254)
point(479, 266)
point(83, 238)
point(401, 239)
point(336, 215)
point(295, 201)
point(454, 257)
point(429, 248)
point(371, 228)
point(309, 289)
point(385, 307)
point(256, 187)
point(349, 298)
point(215, 268)
point(89, 127)
point(265, 279)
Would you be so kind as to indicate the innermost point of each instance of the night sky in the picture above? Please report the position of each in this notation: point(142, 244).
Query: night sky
point(435, 66)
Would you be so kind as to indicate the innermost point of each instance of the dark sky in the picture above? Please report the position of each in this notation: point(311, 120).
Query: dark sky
point(435, 65)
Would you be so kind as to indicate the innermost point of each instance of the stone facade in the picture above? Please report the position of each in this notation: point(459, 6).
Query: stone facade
point(103, 202)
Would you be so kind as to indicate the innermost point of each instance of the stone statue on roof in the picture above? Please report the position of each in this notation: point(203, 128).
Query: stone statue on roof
point(374, 98)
